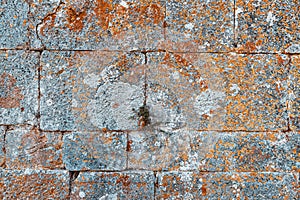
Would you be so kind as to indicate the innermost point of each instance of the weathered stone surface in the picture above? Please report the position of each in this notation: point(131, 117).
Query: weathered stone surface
point(198, 26)
point(30, 148)
point(40, 11)
point(35, 184)
point(18, 87)
point(91, 90)
point(125, 185)
point(95, 151)
point(192, 185)
point(267, 26)
point(2, 184)
point(214, 151)
point(100, 24)
point(14, 24)
point(294, 93)
point(2, 148)
point(218, 91)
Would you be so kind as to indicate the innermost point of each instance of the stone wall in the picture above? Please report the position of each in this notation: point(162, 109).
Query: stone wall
point(149, 99)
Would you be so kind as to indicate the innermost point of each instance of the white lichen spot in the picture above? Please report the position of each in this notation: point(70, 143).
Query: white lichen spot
point(189, 26)
point(271, 18)
point(207, 101)
point(124, 4)
point(49, 102)
point(176, 75)
point(81, 194)
point(91, 80)
point(235, 88)
point(237, 12)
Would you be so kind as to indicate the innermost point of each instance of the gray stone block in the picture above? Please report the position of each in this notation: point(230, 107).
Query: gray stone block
point(218, 91)
point(18, 87)
point(34, 184)
point(230, 185)
point(113, 185)
point(267, 26)
point(14, 24)
point(95, 151)
point(91, 90)
point(199, 26)
point(2, 147)
point(101, 25)
point(213, 151)
point(28, 148)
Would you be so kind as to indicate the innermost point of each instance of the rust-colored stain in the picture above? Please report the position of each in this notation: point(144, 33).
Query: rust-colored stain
point(109, 16)
point(11, 93)
point(75, 20)
point(124, 180)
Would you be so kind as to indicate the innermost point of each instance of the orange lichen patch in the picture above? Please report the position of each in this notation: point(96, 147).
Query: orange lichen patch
point(115, 17)
point(12, 93)
point(103, 12)
point(186, 69)
point(75, 20)
point(124, 180)
point(50, 21)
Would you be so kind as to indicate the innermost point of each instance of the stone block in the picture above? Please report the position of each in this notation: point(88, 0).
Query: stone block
point(213, 151)
point(294, 93)
point(230, 185)
point(35, 184)
point(91, 90)
point(267, 26)
point(2, 147)
point(199, 26)
point(18, 87)
point(95, 151)
point(113, 185)
point(29, 148)
point(14, 24)
point(217, 91)
point(100, 24)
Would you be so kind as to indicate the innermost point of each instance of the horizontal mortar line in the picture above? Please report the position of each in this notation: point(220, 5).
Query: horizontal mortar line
point(126, 131)
point(201, 171)
point(235, 52)
point(142, 130)
point(110, 171)
point(154, 51)
point(148, 170)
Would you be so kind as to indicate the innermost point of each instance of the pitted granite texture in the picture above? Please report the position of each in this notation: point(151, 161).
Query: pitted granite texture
point(91, 90)
point(27, 147)
point(126, 185)
point(94, 151)
point(18, 87)
point(34, 184)
point(218, 91)
point(14, 24)
point(99, 24)
point(149, 99)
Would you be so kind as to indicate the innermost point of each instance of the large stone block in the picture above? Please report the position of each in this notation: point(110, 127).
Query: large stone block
point(193, 185)
point(113, 185)
point(267, 26)
point(294, 93)
point(95, 151)
point(91, 90)
point(2, 147)
point(34, 184)
point(100, 24)
point(18, 87)
point(199, 26)
point(30, 148)
point(218, 91)
point(213, 151)
point(14, 24)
